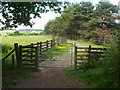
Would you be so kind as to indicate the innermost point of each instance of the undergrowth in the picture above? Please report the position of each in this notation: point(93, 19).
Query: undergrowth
point(103, 74)
point(10, 74)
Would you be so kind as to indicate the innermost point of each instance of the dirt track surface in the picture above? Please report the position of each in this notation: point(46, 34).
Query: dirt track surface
point(50, 75)
point(49, 78)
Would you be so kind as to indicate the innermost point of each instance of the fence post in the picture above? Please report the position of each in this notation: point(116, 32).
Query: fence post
point(89, 55)
point(40, 48)
point(51, 43)
point(20, 55)
point(13, 60)
point(31, 50)
point(36, 58)
point(38, 51)
point(17, 53)
point(75, 57)
point(47, 45)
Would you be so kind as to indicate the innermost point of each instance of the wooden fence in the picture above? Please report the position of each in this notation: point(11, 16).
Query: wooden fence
point(84, 55)
point(31, 54)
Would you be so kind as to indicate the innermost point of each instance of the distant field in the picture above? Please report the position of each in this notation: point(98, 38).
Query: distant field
point(23, 40)
point(84, 43)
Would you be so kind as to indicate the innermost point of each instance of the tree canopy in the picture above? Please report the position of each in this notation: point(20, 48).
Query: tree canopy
point(84, 19)
point(18, 13)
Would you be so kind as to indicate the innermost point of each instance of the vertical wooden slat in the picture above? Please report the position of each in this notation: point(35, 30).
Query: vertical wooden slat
point(31, 50)
point(13, 60)
point(36, 57)
point(40, 48)
point(75, 57)
point(20, 55)
point(51, 43)
point(47, 45)
point(89, 55)
point(17, 53)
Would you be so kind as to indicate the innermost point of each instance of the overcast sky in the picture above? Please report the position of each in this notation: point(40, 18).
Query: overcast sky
point(45, 17)
point(41, 22)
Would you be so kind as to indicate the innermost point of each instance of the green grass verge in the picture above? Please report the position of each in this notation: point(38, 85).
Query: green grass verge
point(85, 43)
point(11, 76)
point(56, 51)
point(93, 78)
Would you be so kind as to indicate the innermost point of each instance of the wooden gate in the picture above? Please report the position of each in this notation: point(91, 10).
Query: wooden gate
point(84, 55)
point(30, 54)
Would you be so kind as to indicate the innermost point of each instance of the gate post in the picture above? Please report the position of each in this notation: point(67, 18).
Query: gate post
point(75, 57)
point(17, 53)
point(20, 55)
point(89, 55)
point(31, 50)
point(40, 48)
point(36, 57)
point(47, 45)
point(51, 43)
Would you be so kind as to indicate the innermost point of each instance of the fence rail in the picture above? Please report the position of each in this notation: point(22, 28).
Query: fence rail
point(30, 54)
point(84, 55)
point(8, 55)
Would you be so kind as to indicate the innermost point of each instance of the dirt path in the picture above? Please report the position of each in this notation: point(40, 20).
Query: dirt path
point(48, 78)
point(50, 75)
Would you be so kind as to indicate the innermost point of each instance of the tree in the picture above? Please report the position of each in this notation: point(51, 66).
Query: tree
point(84, 19)
point(105, 25)
point(74, 19)
point(18, 13)
point(106, 15)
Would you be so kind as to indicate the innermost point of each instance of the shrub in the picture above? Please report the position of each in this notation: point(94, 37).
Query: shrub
point(6, 48)
point(103, 73)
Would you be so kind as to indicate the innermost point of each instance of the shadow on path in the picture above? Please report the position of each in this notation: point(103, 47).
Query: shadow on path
point(51, 75)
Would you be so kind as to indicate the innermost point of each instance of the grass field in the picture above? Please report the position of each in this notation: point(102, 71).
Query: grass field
point(84, 43)
point(24, 40)
point(7, 42)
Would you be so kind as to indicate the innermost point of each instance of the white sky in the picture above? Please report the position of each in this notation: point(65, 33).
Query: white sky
point(41, 22)
point(45, 17)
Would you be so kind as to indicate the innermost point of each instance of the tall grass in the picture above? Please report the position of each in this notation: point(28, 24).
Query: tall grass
point(6, 48)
